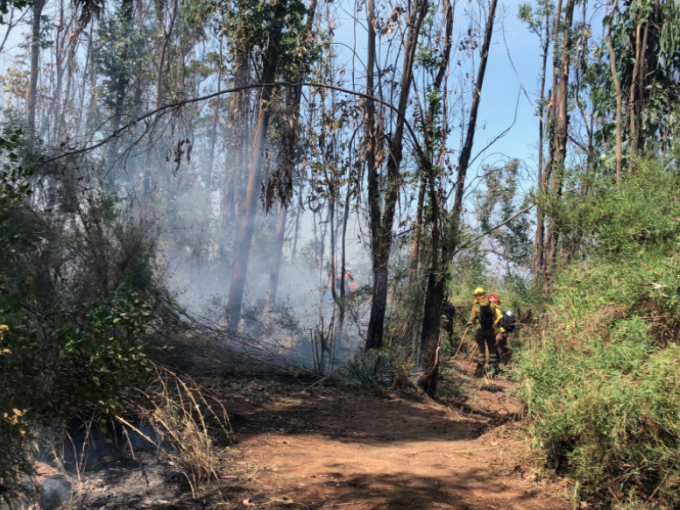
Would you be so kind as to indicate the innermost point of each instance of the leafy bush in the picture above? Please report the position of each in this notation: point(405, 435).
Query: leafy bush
point(71, 335)
point(603, 384)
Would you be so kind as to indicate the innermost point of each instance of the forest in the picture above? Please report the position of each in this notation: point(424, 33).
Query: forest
point(234, 228)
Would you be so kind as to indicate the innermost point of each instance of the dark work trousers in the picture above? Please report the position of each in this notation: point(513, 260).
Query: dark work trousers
point(504, 353)
point(486, 338)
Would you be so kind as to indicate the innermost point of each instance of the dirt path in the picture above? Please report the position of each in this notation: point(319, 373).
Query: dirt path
point(337, 447)
point(368, 448)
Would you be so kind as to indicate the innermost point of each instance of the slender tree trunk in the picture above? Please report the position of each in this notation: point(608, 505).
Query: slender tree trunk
point(216, 121)
point(291, 162)
point(381, 228)
point(82, 114)
point(38, 6)
point(466, 151)
point(439, 273)
point(373, 341)
point(632, 99)
point(296, 234)
point(542, 184)
point(561, 134)
point(55, 108)
point(278, 255)
point(236, 156)
point(247, 220)
point(158, 99)
point(424, 183)
point(619, 101)
point(417, 232)
point(121, 88)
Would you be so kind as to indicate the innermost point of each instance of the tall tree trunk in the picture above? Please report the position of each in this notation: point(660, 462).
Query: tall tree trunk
point(247, 219)
point(417, 231)
point(632, 99)
point(296, 232)
point(82, 114)
point(466, 151)
point(619, 100)
point(542, 184)
point(438, 274)
point(425, 183)
point(561, 135)
point(236, 156)
point(158, 99)
point(291, 161)
point(373, 342)
point(57, 99)
point(278, 255)
point(38, 6)
point(216, 120)
point(381, 228)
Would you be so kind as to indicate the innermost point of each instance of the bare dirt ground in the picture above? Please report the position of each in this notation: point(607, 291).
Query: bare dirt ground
point(359, 447)
point(372, 448)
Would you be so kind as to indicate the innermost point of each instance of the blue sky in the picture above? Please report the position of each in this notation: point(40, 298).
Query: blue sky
point(501, 95)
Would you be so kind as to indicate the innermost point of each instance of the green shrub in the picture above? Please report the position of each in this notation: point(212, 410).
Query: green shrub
point(59, 357)
point(603, 385)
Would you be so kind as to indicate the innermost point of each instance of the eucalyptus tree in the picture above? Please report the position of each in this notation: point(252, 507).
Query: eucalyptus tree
point(274, 31)
point(446, 224)
point(382, 205)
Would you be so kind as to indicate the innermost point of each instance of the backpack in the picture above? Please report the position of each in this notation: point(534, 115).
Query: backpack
point(486, 316)
point(450, 311)
point(508, 321)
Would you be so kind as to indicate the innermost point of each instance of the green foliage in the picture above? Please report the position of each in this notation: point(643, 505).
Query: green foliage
point(60, 357)
point(255, 24)
point(602, 382)
point(495, 205)
point(122, 60)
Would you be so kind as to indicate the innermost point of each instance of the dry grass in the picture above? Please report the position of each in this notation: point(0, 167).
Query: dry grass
point(188, 424)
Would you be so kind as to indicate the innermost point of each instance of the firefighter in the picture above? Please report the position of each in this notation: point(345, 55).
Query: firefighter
point(448, 319)
point(488, 322)
point(507, 326)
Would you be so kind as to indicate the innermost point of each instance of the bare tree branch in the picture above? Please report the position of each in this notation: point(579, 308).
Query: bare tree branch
point(178, 104)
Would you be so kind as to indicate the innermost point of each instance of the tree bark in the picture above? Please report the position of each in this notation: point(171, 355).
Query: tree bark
point(278, 255)
point(542, 184)
point(439, 274)
point(466, 151)
point(417, 232)
point(374, 340)
point(619, 100)
point(559, 148)
point(38, 6)
point(632, 99)
point(122, 83)
point(216, 120)
point(247, 220)
point(291, 162)
point(381, 228)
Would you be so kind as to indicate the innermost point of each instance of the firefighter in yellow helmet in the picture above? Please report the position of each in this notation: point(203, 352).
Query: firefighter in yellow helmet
point(487, 319)
point(507, 325)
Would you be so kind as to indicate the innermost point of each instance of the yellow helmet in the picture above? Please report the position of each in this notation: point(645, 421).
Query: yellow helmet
point(479, 291)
